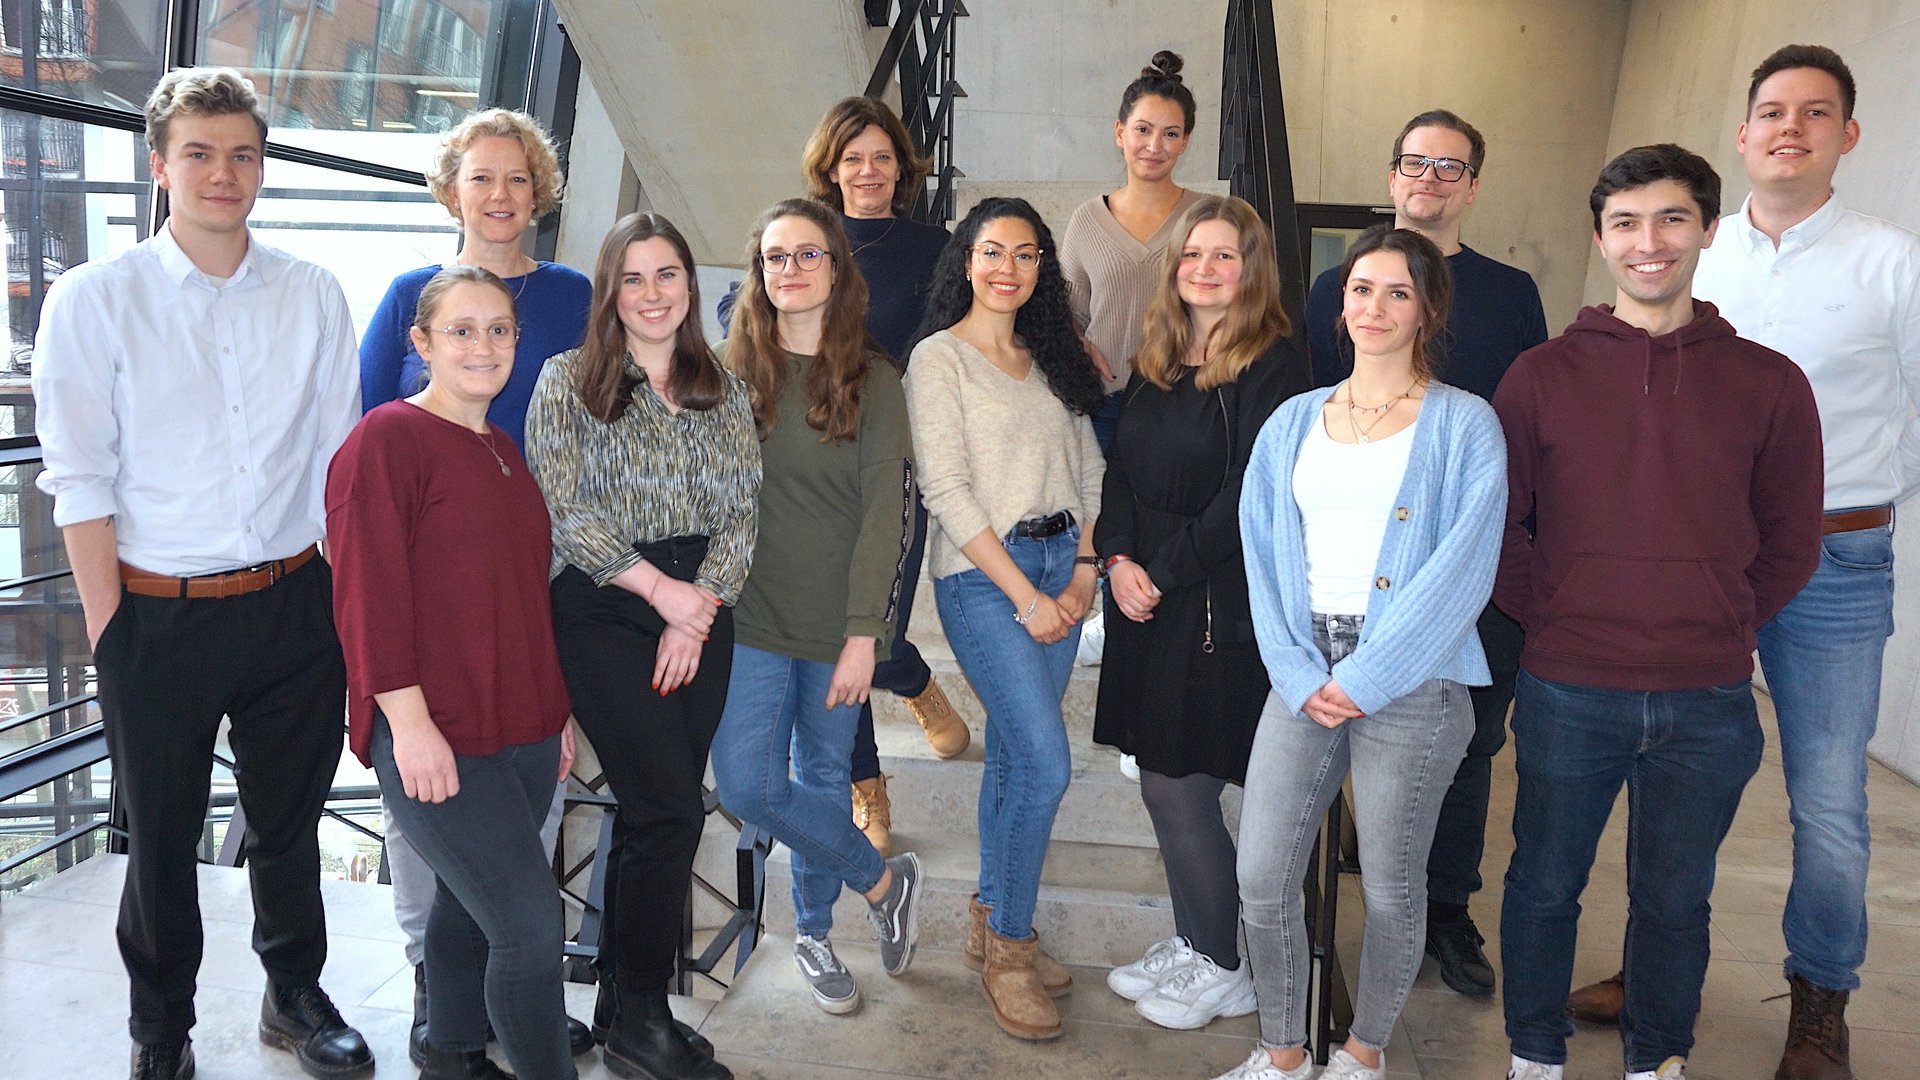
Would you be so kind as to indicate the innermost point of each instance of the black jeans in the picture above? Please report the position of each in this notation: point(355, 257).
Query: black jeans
point(653, 750)
point(496, 929)
point(1460, 839)
point(169, 669)
point(903, 671)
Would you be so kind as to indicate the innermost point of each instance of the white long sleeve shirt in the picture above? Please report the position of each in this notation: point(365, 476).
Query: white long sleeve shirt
point(200, 414)
point(1841, 298)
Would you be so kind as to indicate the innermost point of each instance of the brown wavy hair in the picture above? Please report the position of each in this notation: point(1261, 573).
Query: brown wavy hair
point(606, 387)
point(839, 372)
point(1255, 321)
point(845, 122)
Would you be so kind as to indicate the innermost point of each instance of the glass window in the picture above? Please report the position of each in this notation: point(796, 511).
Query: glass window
point(108, 52)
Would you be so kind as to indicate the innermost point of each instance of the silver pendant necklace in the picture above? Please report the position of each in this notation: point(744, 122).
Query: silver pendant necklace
point(487, 441)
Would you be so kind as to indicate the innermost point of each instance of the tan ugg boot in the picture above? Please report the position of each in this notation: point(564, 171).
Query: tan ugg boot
point(1053, 974)
point(873, 813)
point(1020, 1004)
point(946, 732)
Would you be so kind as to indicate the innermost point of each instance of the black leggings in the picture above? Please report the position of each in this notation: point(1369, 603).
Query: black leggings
point(1200, 860)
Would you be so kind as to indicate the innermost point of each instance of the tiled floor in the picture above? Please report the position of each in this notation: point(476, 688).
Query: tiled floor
point(62, 993)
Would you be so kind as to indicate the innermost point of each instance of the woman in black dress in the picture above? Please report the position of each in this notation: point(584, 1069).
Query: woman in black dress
point(1182, 685)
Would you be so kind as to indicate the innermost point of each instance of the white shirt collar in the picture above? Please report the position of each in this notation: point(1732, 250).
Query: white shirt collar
point(180, 269)
point(1804, 234)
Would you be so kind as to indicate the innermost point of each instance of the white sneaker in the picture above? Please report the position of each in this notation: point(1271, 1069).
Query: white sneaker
point(1522, 1069)
point(1259, 1066)
point(1198, 994)
point(1344, 1066)
point(1674, 1068)
point(1133, 981)
point(1130, 767)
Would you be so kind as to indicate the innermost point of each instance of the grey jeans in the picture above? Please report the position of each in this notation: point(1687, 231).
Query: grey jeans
point(1402, 758)
point(413, 885)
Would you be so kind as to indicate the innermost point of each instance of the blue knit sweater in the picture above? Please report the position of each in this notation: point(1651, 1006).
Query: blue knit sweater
point(1435, 568)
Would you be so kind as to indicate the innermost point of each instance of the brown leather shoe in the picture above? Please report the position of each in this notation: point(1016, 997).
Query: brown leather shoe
point(1053, 974)
point(1817, 1036)
point(873, 813)
point(946, 732)
point(1599, 1003)
point(1021, 1006)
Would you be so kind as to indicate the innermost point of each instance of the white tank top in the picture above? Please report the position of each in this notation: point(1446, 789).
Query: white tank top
point(1346, 496)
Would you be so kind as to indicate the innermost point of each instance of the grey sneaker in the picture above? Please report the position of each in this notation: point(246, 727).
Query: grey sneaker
point(896, 918)
point(828, 978)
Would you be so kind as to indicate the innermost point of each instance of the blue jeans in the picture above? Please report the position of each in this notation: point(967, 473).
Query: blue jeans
point(1822, 657)
point(1402, 758)
point(495, 931)
point(1684, 756)
point(780, 762)
point(1020, 683)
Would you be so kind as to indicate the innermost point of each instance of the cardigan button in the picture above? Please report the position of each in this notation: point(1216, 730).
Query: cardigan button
point(1401, 513)
point(1381, 583)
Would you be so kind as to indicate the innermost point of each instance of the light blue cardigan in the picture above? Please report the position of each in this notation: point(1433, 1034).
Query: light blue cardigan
point(1436, 564)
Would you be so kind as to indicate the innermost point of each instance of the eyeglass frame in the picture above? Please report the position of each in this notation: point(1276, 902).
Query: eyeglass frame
point(760, 261)
point(1433, 163)
point(1039, 254)
point(479, 334)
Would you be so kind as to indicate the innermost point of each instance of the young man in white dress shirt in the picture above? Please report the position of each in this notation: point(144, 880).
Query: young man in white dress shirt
point(1837, 292)
point(190, 393)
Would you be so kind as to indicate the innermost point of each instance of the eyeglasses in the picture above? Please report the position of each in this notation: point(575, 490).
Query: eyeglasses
point(1446, 168)
point(807, 259)
point(503, 335)
point(993, 256)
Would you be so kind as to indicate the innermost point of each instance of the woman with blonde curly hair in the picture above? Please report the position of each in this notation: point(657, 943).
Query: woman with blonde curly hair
point(496, 173)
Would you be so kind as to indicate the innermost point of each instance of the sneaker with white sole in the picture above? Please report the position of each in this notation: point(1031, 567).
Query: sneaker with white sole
point(1522, 1069)
point(832, 984)
point(1344, 1066)
point(1133, 981)
point(1674, 1068)
point(896, 918)
point(1198, 994)
point(1130, 767)
point(1259, 1066)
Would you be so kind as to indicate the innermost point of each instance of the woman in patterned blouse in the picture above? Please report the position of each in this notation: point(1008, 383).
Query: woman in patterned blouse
point(645, 449)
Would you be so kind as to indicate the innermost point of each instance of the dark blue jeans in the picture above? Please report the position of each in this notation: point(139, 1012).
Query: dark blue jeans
point(1684, 756)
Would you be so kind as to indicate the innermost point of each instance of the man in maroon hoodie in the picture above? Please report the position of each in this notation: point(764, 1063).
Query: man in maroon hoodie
point(1672, 474)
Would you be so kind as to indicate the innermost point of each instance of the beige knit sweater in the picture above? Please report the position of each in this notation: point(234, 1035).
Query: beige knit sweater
point(1111, 278)
point(992, 450)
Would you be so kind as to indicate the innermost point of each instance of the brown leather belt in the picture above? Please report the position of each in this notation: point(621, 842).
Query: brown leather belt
point(216, 586)
point(1873, 517)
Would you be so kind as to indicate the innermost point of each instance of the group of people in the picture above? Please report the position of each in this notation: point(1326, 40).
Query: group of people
point(1343, 551)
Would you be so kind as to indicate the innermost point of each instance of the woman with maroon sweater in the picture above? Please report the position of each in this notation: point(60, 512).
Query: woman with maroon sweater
point(440, 545)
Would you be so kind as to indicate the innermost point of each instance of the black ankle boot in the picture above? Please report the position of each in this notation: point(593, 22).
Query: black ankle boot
point(163, 1061)
point(644, 1043)
point(460, 1065)
point(302, 1020)
point(606, 1006)
point(417, 1036)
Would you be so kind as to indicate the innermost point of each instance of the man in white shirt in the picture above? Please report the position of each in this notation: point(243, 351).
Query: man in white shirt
point(190, 393)
point(1839, 293)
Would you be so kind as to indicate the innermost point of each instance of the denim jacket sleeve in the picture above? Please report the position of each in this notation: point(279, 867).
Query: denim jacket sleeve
point(1437, 602)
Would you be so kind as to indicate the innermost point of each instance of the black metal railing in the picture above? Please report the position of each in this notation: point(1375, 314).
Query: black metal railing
point(1254, 159)
point(919, 54)
point(1253, 138)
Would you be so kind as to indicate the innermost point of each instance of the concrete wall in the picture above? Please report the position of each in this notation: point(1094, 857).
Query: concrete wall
point(1684, 79)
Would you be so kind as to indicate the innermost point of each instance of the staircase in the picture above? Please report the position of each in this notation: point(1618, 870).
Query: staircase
point(1103, 900)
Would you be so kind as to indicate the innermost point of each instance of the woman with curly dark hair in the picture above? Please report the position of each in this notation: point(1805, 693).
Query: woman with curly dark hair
point(1000, 391)
point(836, 512)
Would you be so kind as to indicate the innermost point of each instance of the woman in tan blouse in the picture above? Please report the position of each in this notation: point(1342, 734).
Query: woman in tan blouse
point(644, 447)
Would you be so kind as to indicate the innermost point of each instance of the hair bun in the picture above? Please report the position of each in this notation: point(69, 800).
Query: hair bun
point(1166, 64)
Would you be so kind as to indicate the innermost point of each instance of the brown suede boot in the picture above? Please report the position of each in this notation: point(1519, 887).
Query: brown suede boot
point(1053, 974)
point(946, 732)
point(1817, 1036)
point(873, 813)
point(1599, 1003)
point(1020, 1004)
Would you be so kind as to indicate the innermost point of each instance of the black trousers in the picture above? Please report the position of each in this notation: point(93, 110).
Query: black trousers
point(169, 669)
point(653, 750)
point(1460, 838)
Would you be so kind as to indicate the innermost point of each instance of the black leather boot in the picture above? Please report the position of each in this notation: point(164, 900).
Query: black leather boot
point(645, 1043)
point(417, 1037)
point(606, 1006)
point(460, 1065)
point(302, 1019)
point(163, 1061)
